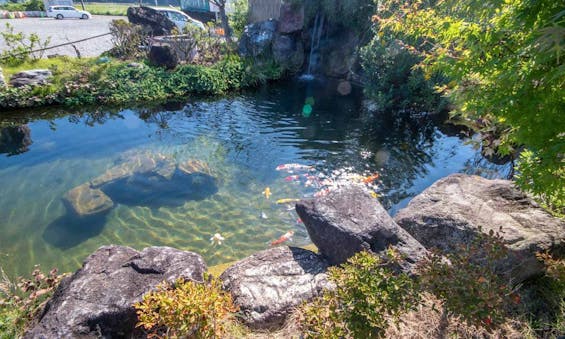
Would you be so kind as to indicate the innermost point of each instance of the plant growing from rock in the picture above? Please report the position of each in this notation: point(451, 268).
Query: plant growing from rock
point(368, 294)
point(22, 299)
point(127, 39)
point(468, 282)
point(187, 309)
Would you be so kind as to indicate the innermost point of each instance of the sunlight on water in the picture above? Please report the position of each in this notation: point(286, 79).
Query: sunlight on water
point(248, 144)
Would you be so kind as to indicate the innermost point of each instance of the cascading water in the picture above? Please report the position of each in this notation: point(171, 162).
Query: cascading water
point(316, 37)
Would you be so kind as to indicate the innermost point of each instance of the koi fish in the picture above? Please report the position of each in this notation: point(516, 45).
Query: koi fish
point(294, 167)
point(267, 192)
point(217, 239)
point(286, 201)
point(292, 178)
point(284, 238)
point(371, 178)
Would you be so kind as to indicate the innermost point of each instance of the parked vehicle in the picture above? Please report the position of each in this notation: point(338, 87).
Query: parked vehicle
point(62, 12)
point(180, 19)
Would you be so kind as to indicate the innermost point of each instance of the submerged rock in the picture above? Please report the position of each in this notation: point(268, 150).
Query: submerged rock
point(456, 208)
point(194, 166)
point(348, 220)
point(85, 200)
point(97, 300)
point(36, 77)
point(269, 284)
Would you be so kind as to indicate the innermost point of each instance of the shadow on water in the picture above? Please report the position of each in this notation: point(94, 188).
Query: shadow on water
point(154, 191)
point(71, 229)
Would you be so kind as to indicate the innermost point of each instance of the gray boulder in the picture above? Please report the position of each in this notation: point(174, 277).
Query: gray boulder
point(153, 21)
point(35, 77)
point(269, 284)
point(288, 52)
point(452, 210)
point(348, 220)
point(257, 39)
point(291, 18)
point(97, 300)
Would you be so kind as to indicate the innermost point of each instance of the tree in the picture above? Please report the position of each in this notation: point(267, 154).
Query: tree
point(504, 60)
point(224, 18)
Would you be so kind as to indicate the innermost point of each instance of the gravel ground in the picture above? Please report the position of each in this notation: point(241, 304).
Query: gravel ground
point(63, 31)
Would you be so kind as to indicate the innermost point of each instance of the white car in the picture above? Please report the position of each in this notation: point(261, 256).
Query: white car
point(180, 19)
point(62, 12)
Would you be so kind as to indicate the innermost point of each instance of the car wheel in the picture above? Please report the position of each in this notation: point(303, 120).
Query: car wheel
point(59, 17)
point(84, 17)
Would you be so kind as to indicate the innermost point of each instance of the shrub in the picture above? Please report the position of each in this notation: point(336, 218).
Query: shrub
point(368, 294)
point(127, 39)
point(19, 47)
point(466, 280)
point(22, 300)
point(186, 309)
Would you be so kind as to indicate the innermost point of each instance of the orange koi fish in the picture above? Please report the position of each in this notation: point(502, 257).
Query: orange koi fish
point(371, 178)
point(284, 238)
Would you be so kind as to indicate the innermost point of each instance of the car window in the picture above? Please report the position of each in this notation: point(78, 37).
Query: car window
point(177, 16)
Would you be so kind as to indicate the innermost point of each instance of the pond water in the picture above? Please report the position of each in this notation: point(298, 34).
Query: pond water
point(237, 144)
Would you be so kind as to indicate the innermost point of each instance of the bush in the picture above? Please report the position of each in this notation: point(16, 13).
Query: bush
point(186, 309)
point(22, 300)
point(19, 47)
point(466, 280)
point(368, 294)
point(127, 39)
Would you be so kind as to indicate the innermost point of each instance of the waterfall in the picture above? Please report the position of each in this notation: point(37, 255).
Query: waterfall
point(317, 31)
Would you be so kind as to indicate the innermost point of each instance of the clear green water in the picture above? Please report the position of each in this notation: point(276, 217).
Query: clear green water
point(242, 139)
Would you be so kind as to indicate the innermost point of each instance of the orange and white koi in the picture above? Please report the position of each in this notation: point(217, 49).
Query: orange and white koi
point(284, 238)
point(294, 167)
point(292, 177)
point(217, 239)
point(371, 178)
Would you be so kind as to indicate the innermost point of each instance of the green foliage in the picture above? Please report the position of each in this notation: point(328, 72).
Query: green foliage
point(127, 39)
point(238, 17)
point(467, 281)
point(368, 293)
point(19, 47)
point(352, 14)
point(187, 309)
point(23, 299)
point(505, 60)
point(30, 5)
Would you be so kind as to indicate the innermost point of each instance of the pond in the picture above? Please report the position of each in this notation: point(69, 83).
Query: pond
point(177, 174)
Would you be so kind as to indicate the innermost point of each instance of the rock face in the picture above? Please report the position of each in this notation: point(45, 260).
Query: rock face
point(36, 77)
point(348, 220)
point(96, 301)
point(291, 18)
point(288, 52)
point(155, 22)
point(451, 211)
point(267, 285)
point(257, 39)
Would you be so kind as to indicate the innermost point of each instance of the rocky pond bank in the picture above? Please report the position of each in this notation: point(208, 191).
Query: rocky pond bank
point(97, 300)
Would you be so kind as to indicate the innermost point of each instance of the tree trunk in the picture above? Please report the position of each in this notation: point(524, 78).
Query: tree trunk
point(225, 23)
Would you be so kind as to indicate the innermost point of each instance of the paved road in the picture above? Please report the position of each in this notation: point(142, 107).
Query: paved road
point(68, 30)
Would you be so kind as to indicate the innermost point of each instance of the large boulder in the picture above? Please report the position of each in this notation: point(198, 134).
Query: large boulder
point(288, 52)
point(84, 200)
point(257, 39)
point(291, 18)
point(155, 22)
point(97, 300)
point(35, 77)
point(269, 284)
point(349, 220)
point(456, 208)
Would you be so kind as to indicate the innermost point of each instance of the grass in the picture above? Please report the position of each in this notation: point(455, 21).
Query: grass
point(58, 63)
point(100, 8)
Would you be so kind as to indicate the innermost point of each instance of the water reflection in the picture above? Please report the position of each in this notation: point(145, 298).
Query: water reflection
point(15, 139)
